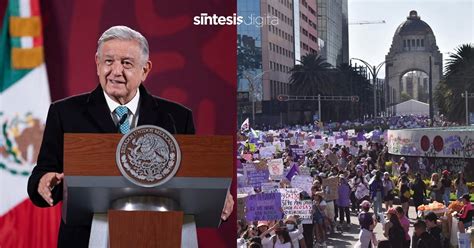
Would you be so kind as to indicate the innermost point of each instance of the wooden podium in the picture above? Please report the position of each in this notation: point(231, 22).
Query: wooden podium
point(93, 182)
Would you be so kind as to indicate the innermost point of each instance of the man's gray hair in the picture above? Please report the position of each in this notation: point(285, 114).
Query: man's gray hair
point(124, 33)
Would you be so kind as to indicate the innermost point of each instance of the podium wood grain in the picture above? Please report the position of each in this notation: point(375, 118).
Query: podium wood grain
point(94, 155)
point(145, 229)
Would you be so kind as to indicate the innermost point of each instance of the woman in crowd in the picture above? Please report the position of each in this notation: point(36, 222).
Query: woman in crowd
point(367, 224)
point(405, 224)
point(393, 230)
point(377, 192)
point(319, 206)
point(282, 239)
point(360, 187)
point(419, 192)
point(465, 215)
point(248, 234)
point(264, 233)
point(446, 184)
point(295, 230)
point(404, 193)
point(436, 188)
point(388, 187)
point(343, 201)
point(460, 185)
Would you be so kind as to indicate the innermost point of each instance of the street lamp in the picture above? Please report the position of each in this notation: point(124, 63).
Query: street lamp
point(252, 90)
point(374, 70)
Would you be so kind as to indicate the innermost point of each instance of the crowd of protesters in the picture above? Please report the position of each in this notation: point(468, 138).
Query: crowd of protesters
point(392, 122)
point(368, 179)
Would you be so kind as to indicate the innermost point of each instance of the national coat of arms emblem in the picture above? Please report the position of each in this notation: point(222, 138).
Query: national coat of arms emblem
point(148, 156)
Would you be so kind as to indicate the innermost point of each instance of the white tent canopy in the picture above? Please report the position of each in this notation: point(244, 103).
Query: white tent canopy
point(412, 107)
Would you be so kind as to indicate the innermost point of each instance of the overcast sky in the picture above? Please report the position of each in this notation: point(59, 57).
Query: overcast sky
point(451, 21)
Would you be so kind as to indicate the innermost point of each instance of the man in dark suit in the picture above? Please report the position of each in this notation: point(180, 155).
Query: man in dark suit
point(118, 104)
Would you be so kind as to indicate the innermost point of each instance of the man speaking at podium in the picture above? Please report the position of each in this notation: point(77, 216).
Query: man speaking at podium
point(118, 104)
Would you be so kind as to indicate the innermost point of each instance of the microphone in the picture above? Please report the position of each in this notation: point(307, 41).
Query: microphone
point(172, 123)
point(121, 121)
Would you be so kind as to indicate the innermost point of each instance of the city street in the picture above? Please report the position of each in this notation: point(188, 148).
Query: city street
point(349, 238)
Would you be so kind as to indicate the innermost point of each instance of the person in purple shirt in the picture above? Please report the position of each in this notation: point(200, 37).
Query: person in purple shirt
point(344, 201)
point(405, 224)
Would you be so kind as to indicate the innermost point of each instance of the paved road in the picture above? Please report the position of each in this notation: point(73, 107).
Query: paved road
point(350, 237)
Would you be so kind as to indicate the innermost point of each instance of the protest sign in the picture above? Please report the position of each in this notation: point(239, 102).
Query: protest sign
point(292, 205)
point(277, 145)
point(332, 140)
point(351, 132)
point(255, 176)
point(245, 191)
point(319, 143)
point(241, 180)
point(266, 206)
point(247, 156)
point(298, 151)
point(252, 147)
point(340, 141)
point(330, 187)
point(267, 151)
point(275, 167)
point(269, 187)
point(302, 182)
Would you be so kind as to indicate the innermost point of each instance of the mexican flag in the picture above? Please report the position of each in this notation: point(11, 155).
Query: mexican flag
point(24, 103)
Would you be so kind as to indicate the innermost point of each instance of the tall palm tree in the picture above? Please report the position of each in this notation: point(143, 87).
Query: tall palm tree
point(311, 76)
point(458, 77)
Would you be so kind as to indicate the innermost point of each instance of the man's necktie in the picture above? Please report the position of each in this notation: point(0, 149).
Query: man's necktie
point(122, 114)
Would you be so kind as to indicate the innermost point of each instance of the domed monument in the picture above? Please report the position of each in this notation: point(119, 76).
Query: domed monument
point(407, 62)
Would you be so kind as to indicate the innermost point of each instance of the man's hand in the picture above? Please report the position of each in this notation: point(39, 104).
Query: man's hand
point(228, 207)
point(47, 183)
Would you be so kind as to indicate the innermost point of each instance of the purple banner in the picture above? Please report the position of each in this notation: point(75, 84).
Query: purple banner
point(256, 177)
point(265, 206)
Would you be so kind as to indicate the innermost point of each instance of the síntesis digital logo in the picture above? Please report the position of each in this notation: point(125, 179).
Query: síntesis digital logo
point(234, 19)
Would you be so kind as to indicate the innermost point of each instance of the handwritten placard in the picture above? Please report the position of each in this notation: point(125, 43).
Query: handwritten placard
point(298, 153)
point(302, 182)
point(351, 133)
point(267, 151)
point(269, 187)
point(332, 140)
point(292, 205)
point(330, 186)
point(247, 156)
point(275, 167)
point(255, 175)
point(266, 206)
point(245, 190)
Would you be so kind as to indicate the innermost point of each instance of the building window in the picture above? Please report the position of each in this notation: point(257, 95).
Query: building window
point(417, 42)
point(422, 42)
point(413, 42)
